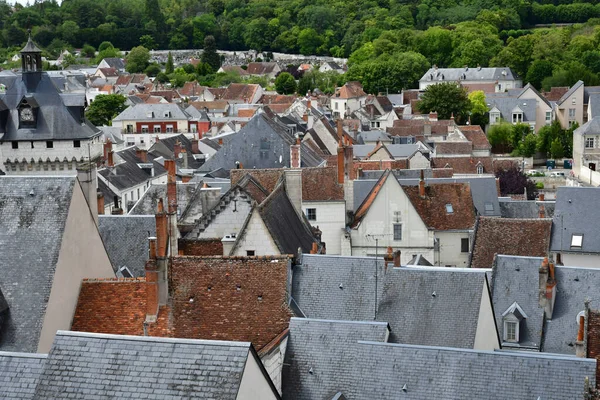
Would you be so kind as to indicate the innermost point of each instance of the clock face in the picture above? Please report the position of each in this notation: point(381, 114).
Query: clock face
point(27, 114)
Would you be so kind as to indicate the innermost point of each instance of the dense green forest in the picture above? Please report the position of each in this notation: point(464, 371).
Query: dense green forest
point(390, 42)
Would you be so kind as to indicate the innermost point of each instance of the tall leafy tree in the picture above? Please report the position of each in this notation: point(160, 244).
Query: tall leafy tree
point(138, 59)
point(285, 83)
point(209, 54)
point(446, 99)
point(169, 67)
point(104, 108)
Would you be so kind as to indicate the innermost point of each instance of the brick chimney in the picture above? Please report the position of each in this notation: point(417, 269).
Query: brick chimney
point(388, 257)
point(295, 154)
point(550, 291)
point(220, 142)
point(543, 278)
point(151, 291)
point(195, 146)
point(542, 211)
point(397, 258)
point(171, 186)
point(161, 230)
point(422, 184)
point(315, 248)
point(349, 159)
point(341, 161)
point(100, 198)
point(541, 197)
point(176, 149)
point(107, 148)
point(142, 155)
point(580, 343)
point(110, 161)
point(184, 158)
point(433, 116)
point(186, 178)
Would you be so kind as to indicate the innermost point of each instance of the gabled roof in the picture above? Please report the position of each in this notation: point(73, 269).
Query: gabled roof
point(288, 230)
point(260, 68)
point(33, 214)
point(115, 62)
point(468, 74)
point(476, 136)
point(317, 351)
point(529, 86)
point(570, 92)
point(509, 105)
point(573, 215)
point(148, 203)
point(510, 236)
point(128, 174)
point(240, 91)
point(592, 127)
point(362, 210)
point(20, 374)
point(350, 90)
point(433, 207)
point(432, 306)
point(170, 367)
point(526, 208)
point(125, 238)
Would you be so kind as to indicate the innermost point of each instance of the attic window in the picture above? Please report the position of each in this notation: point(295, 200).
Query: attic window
point(150, 114)
point(512, 318)
point(576, 240)
point(449, 209)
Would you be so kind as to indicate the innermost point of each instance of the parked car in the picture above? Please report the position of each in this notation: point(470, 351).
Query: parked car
point(535, 172)
point(557, 174)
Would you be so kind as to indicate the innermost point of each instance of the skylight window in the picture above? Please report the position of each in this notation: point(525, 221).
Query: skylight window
point(449, 208)
point(576, 240)
point(489, 207)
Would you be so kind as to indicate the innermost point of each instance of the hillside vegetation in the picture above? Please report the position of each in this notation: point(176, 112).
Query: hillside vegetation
point(390, 43)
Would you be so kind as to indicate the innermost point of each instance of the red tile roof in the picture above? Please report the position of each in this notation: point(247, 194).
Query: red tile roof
point(555, 93)
point(510, 236)
point(116, 307)
point(191, 89)
point(350, 90)
point(240, 91)
point(212, 106)
point(464, 165)
point(217, 92)
point(476, 135)
point(485, 87)
point(247, 113)
point(454, 148)
point(277, 99)
point(227, 298)
point(432, 207)
point(260, 68)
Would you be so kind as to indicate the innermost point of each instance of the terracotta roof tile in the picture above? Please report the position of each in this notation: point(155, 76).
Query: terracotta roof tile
point(217, 92)
point(247, 113)
point(556, 93)
point(116, 307)
point(454, 148)
point(217, 105)
point(464, 165)
point(476, 135)
point(123, 80)
point(260, 68)
point(240, 91)
point(235, 69)
point(279, 108)
point(277, 99)
point(433, 210)
point(109, 72)
point(191, 89)
point(485, 87)
point(510, 236)
point(350, 90)
point(240, 299)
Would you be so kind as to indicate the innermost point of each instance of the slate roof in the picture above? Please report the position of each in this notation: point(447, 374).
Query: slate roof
point(506, 105)
point(262, 143)
point(592, 127)
point(140, 112)
point(54, 120)
point(321, 347)
point(433, 208)
point(148, 203)
point(594, 105)
point(316, 287)
point(468, 74)
point(515, 237)
point(125, 238)
point(432, 306)
point(570, 92)
point(526, 208)
point(126, 172)
point(573, 215)
point(115, 62)
point(129, 366)
point(288, 230)
point(447, 373)
point(33, 214)
point(574, 285)
point(19, 374)
point(516, 279)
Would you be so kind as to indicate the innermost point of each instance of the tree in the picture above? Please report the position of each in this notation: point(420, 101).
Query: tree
point(104, 108)
point(105, 45)
point(209, 54)
point(556, 149)
point(148, 42)
point(308, 41)
point(514, 181)
point(138, 59)
point(88, 51)
point(500, 137)
point(153, 70)
point(528, 145)
point(285, 83)
point(169, 67)
point(538, 71)
point(446, 99)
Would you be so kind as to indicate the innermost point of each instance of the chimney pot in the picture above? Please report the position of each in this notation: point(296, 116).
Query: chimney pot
point(397, 258)
point(542, 212)
point(581, 328)
point(422, 184)
point(177, 149)
point(100, 198)
point(541, 197)
point(110, 160)
point(142, 154)
point(152, 250)
point(161, 231)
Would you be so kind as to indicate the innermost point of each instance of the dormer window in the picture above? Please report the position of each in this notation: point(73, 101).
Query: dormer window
point(150, 114)
point(494, 117)
point(517, 117)
point(511, 319)
point(576, 240)
point(479, 169)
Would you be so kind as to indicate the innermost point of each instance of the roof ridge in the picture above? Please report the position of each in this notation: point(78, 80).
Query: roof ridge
point(154, 339)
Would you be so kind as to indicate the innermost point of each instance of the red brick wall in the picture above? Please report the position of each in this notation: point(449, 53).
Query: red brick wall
point(210, 247)
point(593, 344)
point(230, 298)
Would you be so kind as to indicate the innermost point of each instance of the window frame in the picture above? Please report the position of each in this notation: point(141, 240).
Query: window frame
point(572, 112)
point(49, 144)
point(15, 145)
point(462, 245)
point(518, 119)
point(397, 231)
point(449, 209)
point(576, 240)
point(590, 140)
point(515, 334)
point(311, 214)
point(77, 143)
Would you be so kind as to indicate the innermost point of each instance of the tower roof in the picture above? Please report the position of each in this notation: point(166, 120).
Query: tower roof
point(30, 47)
